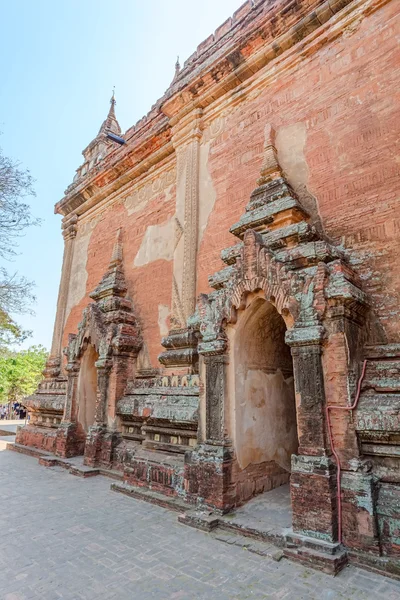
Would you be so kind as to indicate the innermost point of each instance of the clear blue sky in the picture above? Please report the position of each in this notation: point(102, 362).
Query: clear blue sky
point(59, 60)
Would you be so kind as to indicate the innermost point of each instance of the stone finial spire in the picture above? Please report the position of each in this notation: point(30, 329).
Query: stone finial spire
point(111, 125)
point(270, 168)
point(177, 69)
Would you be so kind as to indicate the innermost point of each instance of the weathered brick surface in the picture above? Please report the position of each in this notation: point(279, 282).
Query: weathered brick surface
point(388, 510)
point(346, 96)
point(283, 126)
point(149, 285)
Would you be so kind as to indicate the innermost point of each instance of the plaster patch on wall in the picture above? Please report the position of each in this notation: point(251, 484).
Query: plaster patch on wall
point(268, 419)
point(163, 314)
point(143, 362)
point(207, 193)
point(142, 193)
point(290, 144)
point(265, 411)
point(79, 274)
point(157, 243)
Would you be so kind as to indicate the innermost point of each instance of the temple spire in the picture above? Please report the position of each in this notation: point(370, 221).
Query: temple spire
point(111, 112)
point(177, 69)
point(111, 125)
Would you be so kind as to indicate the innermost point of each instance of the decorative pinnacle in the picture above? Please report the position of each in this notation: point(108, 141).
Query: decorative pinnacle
point(270, 168)
point(116, 257)
point(113, 102)
point(177, 69)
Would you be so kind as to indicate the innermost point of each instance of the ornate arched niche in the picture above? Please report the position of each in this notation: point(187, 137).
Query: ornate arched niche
point(105, 347)
point(308, 288)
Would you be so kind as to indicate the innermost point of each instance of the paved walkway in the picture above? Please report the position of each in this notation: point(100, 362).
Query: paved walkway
point(71, 538)
point(7, 432)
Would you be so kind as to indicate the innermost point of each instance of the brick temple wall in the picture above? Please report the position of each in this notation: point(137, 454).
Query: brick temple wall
point(147, 223)
point(319, 81)
point(337, 117)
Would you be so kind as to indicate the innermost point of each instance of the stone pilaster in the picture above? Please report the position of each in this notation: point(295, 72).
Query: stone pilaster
point(208, 468)
point(53, 365)
point(215, 389)
point(103, 375)
point(312, 483)
point(186, 139)
point(70, 441)
point(306, 351)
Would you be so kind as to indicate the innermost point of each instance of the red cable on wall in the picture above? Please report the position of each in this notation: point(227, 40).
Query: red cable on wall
point(338, 474)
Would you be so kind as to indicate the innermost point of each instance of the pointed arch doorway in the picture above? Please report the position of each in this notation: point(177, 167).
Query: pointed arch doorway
point(264, 408)
point(87, 389)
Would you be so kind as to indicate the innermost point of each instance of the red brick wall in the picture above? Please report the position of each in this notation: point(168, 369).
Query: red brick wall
point(148, 285)
point(348, 97)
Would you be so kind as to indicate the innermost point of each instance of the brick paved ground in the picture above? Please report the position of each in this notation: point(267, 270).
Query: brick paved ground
point(65, 537)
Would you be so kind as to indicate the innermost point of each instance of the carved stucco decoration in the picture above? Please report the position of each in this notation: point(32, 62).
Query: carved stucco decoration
point(281, 254)
point(109, 323)
point(255, 270)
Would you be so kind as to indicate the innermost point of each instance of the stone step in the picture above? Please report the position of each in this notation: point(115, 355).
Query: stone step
point(331, 564)
point(50, 460)
point(381, 565)
point(252, 545)
point(296, 540)
point(28, 450)
point(257, 531)
point(199, 519)
point(142, 493)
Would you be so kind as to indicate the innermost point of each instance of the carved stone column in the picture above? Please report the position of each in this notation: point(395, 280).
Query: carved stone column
point(306, 350)
point(208, 468)
point(312, 483)
point(103, 375)
point(70, 441)
point(215, 387)
point(186, 139)
point(53, 364)
point(95, 442)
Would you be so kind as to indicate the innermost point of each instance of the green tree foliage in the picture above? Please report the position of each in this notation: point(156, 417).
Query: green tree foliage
point(10, 332)
point(15, 216)
point(20, 372)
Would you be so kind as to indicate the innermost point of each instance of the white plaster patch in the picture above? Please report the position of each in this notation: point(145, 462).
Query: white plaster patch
point(79, 274)
point(207, 193)
point(141, 194)
point(163, 314)
point(157, 244)
point(290, 143)
point(143, 360)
